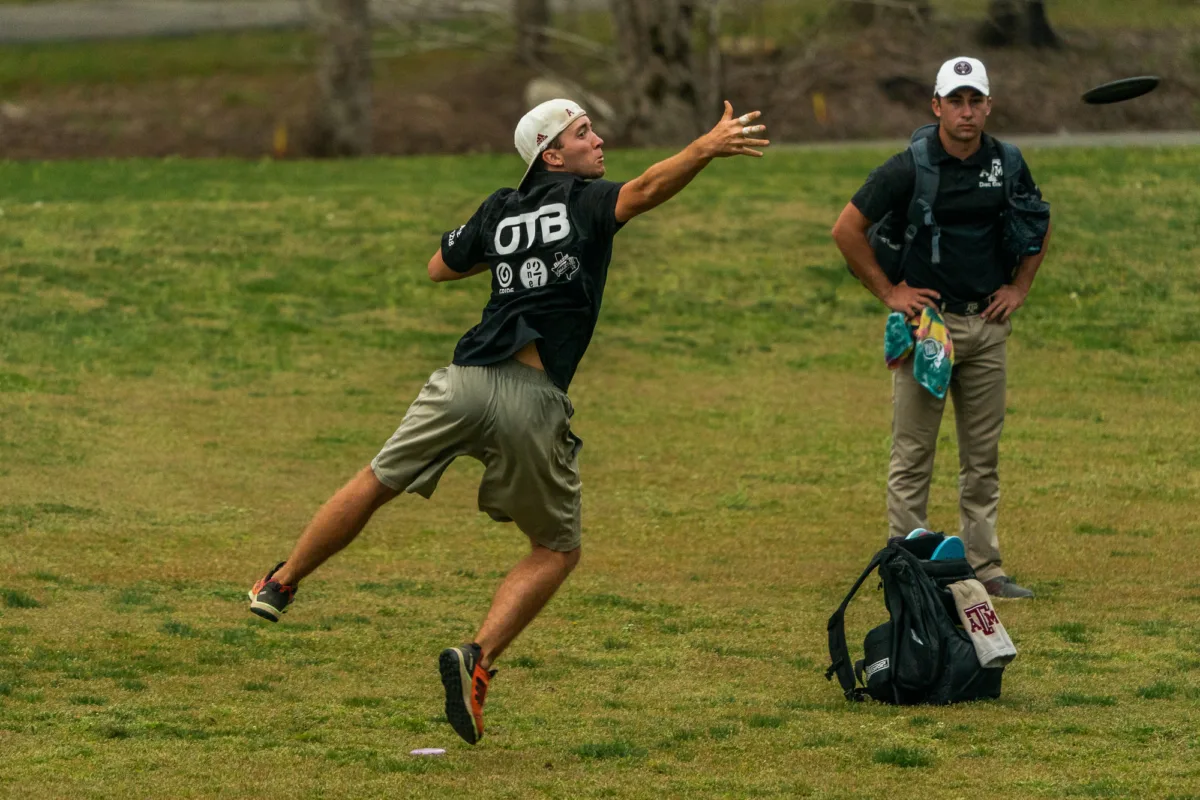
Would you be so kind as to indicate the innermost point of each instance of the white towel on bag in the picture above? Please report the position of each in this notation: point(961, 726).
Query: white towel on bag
point(992, 643)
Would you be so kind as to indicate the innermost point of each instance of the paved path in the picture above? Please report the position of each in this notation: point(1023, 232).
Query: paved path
point(112, 19)
point(68, 20)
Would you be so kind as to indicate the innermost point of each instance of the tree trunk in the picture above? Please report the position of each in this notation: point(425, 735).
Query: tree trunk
point(1003, 26)
point(654, 39)
point(342, 123)
point(1014, 22)
point(868, 12)
point(532, 17)
point(1040, 32)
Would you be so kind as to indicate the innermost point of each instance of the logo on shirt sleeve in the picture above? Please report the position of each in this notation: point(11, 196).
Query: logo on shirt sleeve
point(454, 236)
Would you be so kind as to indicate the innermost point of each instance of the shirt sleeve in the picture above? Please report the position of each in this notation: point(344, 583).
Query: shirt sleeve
point(888, 187)
point(597, 205)
point(464, 247)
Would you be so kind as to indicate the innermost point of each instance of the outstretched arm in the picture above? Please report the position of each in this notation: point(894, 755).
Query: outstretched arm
point(665, 179)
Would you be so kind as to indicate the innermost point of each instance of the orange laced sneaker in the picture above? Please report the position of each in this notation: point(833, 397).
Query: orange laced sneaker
point(466, 684)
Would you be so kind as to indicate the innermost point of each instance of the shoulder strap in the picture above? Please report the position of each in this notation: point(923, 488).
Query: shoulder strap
point(1011, 161)
point(925, 189)
point(839, 654)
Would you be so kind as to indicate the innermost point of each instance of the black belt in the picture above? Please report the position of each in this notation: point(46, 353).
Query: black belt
point(971, 309)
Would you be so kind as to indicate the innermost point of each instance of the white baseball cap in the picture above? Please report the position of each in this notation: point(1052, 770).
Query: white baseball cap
point(539, 126)
point(959, 72)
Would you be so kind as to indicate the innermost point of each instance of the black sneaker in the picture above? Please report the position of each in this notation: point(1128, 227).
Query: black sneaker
point(269, 599)
point(466, 685)
point(1005, 588)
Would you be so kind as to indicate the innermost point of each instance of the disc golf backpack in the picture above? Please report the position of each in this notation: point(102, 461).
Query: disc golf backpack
point(921, 654)
point(1025, 224)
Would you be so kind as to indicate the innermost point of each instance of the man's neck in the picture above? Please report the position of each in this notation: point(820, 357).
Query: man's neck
point(959, 149)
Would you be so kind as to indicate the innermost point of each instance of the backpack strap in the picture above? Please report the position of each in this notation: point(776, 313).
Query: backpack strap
point(1011, 162)
point(920, 208)
point(839, 654)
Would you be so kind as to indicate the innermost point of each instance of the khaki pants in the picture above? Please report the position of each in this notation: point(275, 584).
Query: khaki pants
point(977, 386)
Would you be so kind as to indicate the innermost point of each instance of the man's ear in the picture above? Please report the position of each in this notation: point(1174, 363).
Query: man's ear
point(553, 158)
point(936, 104)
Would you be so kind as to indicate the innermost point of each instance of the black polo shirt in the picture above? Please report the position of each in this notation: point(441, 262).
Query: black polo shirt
point(969, 202)
point(548, 249)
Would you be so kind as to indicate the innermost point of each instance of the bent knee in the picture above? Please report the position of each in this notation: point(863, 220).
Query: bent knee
point(566, 559)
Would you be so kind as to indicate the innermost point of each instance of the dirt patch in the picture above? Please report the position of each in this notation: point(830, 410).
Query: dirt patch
point(876, 85)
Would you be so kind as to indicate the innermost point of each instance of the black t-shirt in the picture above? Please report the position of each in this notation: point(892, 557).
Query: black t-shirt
point(548, 249)
point(969, 201)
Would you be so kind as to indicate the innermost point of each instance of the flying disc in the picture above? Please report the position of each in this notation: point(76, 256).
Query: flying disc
point(1118, 90)
point(428, 751)
point(950, 548)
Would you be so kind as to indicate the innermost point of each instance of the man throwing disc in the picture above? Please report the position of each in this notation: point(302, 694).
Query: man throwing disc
point(503, 400)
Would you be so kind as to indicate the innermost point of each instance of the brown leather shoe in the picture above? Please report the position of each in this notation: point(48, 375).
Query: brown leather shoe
point(1005, 588)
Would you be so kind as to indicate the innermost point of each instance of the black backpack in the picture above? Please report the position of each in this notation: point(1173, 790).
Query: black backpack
point(1026, 216)
point(920, 655)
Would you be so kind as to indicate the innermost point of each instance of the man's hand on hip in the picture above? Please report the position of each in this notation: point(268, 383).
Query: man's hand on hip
point(1005, 301)
point(908, 300)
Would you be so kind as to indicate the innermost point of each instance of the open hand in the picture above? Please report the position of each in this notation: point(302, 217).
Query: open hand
point(1005, 301)
point(733, 136)
point(908, 300)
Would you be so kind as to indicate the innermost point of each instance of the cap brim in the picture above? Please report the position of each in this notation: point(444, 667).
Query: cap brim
point(528, 171)
point(964, 85)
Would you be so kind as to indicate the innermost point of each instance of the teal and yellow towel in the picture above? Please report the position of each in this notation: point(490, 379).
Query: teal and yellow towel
point(929, 343)
point(897, 340)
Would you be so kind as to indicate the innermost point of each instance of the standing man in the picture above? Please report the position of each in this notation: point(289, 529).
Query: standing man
point(962, 270)
point(503, 400)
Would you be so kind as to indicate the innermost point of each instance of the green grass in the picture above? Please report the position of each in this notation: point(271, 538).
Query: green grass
point(195, 354)
point(45, 65)
point(136, 60)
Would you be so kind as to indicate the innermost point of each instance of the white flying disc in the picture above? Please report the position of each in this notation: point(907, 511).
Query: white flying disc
point(428, 751)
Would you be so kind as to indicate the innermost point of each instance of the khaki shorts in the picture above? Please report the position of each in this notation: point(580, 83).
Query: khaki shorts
point(514, 420)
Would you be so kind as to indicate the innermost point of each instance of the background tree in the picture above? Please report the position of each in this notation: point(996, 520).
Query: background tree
point(532, 19)
point(868, 12)
point(654, 40)
point(1015, 22)
point(342, 121)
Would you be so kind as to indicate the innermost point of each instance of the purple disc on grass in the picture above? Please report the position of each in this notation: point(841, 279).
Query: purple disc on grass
point(428, 751)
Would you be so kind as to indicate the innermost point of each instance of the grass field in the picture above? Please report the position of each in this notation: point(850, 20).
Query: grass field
point(193, 355)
